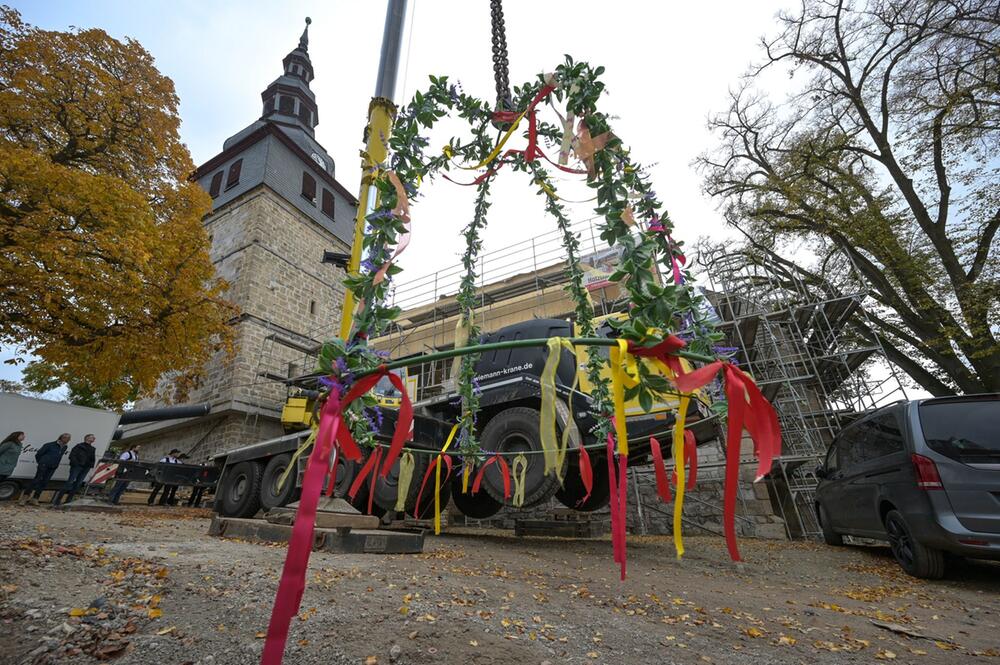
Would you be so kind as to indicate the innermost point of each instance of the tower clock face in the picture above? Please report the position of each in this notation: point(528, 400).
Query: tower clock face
point(319, 160)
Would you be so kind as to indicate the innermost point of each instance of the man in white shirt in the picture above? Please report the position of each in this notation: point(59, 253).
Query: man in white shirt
point(130, 455)
point(167, 498)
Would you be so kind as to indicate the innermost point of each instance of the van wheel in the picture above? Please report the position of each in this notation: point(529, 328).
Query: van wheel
point(830, 537)
point(916, 559)
point(512, 431)
point(272, 496)
point(9, 490)
point(241, 490)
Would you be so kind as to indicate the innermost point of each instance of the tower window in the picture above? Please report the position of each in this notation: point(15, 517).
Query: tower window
point(233, 178)
point(213, 189)
point(328, 203)
point(312, 306)
point(309, 187)
point(286, 104)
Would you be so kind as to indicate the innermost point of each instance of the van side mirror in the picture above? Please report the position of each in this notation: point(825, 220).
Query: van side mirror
point(821, 471)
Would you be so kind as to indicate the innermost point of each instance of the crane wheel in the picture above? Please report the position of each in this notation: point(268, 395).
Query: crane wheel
point(512, 431)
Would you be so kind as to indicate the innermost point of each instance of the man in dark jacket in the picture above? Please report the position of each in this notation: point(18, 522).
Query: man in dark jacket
point(81, 461)
point(48, 458)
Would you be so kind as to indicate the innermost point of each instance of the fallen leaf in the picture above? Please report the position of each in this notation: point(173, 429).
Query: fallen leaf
point(371, 660)
point(786, 640)
point(77, 612)
point(947, 646)
point(165, 631)
point(753, 632)
point(155, 613)
point(592, 654)
point(474, 643)
point(260, 634)
point(885, 654)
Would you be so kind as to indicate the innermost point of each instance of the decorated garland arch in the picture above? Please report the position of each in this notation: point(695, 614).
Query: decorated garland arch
point(578, 140)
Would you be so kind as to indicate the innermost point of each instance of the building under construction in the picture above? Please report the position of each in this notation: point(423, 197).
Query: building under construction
point(796, 343)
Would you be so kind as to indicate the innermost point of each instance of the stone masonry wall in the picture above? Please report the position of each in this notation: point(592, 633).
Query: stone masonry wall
point(270, 254)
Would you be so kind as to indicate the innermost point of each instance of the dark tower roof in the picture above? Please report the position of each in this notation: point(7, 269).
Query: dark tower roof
point(290, 103)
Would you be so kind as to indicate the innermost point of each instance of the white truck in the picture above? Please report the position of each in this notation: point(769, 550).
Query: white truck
point(42, 421)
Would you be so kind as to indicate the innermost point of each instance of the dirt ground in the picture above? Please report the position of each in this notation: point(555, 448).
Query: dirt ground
point(149, 586)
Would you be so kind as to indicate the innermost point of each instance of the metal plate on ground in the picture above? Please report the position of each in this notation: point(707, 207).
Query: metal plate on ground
point(327, 540)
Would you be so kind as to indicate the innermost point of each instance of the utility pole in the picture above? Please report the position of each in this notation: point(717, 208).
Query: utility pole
point(381, 113)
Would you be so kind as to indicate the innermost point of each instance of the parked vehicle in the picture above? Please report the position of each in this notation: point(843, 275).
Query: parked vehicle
point(43, 420)
point(923, 475)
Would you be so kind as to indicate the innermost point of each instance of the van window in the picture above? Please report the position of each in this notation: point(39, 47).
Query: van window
point(885, 436)
point(848, 448)
point(964, 430)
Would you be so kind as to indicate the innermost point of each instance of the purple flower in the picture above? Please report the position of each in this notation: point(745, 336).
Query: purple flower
point(656, 225)
point(368, 265)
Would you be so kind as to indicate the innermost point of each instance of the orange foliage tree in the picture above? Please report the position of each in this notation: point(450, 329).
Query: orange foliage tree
point(104, 267)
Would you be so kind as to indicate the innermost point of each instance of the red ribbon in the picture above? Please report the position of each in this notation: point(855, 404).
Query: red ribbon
point(586, 473)
point(662, 482)
point(690, 461)
point(504, 474)
point(665, 352)
point(427, 476)
point(369, 468)
point(760, 420)
point(293, 575)
point(404, 422)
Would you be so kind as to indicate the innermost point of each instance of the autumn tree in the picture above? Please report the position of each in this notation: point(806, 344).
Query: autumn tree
point(104, 261)
point(885, 151)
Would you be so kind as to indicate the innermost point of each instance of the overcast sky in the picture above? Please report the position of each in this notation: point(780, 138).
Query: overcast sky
point(669, 65)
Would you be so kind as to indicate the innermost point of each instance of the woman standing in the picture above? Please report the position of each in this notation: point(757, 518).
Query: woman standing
point(10, 450)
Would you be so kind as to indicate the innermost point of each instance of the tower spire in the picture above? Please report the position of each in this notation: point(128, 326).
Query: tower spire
point(304, 39)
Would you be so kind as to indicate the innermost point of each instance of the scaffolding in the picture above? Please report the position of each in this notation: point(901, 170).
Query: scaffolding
point(794, 336)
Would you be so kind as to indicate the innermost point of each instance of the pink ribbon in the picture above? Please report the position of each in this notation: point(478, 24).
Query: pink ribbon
point(293, 575)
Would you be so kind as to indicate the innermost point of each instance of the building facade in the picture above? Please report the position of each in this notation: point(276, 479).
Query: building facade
point(277, 207)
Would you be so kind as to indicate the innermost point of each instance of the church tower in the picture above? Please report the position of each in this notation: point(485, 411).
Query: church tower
point(276, 207)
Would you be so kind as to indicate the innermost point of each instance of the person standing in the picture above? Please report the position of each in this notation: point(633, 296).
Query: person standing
point(168, 490)
point(130, 455)
point(48, 458)
point(10, 451)
point(81, 461)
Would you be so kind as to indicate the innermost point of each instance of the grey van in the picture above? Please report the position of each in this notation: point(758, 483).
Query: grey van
point(923, 475)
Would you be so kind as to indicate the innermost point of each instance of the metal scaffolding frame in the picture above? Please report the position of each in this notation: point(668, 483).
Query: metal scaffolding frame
point(796, 341)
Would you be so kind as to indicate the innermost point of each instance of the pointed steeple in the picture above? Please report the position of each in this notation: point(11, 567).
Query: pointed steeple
point(304, 39)
point(288, 99)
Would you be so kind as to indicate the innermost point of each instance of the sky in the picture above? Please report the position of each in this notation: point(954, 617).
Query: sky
point(668, 65)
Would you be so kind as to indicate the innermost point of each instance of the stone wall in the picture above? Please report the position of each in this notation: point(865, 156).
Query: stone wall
point(270, 253)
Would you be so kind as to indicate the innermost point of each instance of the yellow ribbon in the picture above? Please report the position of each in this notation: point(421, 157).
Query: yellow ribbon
point(311, 439)
point(555, 452)
point(406, 465)
point(619, 377)
point(519, 470)
point(466, 472)
point(496, 151)
point(679, 462)
point(437, 481)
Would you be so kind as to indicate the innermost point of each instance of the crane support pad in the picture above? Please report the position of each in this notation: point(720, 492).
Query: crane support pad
point(353, 541)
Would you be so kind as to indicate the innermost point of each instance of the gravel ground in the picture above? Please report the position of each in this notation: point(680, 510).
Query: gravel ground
point(149, 586)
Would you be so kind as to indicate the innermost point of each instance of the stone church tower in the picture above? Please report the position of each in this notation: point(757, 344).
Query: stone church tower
point(276, 208)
